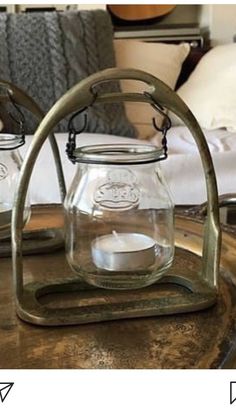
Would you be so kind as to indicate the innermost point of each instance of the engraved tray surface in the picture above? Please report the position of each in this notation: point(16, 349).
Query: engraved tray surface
point(203, 339)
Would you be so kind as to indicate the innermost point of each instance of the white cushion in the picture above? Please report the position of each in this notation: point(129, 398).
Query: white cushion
point(161, 60)
point(182, 170)
point(210, 91)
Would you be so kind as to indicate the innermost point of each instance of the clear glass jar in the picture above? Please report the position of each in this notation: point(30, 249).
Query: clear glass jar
point(119, 217)
point(10, 165)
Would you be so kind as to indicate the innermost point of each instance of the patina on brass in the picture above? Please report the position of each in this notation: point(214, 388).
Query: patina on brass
point(201, 283)
point(199, 340)
point(43, 240)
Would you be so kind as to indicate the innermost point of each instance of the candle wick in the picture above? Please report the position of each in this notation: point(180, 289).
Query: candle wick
point(116, 236)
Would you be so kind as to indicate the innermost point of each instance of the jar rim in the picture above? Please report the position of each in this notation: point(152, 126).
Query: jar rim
point(10, 141)
point(118, 154)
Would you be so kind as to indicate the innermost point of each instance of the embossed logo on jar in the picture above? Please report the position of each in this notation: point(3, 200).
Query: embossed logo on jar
point(3, 171)
point(119, 192)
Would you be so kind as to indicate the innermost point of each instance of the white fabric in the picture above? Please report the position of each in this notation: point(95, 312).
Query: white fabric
point(163, 61)
point(183, 170)
point(210, 91)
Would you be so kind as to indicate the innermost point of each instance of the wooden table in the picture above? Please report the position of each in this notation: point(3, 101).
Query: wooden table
point(199, 340)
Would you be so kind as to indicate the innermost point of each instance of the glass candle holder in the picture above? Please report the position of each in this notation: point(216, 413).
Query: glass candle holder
point(119, 217)
point(10, 165)
point(119, 221)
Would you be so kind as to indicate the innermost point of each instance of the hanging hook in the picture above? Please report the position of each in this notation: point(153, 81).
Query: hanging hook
point(71, 127)
point(71, 144)
point(165, 126)
point(161, 111)
point(167, 120)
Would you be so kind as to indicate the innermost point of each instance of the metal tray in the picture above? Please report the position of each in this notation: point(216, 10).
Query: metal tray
point(36, 239)
point(204, 339)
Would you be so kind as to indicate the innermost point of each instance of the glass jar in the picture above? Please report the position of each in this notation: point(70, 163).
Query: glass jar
point(119, 217)
point(10, 165)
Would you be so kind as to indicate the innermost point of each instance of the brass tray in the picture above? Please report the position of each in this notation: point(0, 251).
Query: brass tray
point(204, 339)
point(36, 239)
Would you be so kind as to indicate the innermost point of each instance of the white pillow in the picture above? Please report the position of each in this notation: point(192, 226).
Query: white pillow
point(210, 91)
point(161, 60)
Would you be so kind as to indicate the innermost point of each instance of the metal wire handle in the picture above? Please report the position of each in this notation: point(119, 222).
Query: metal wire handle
point(71, 144)
point(165, 126)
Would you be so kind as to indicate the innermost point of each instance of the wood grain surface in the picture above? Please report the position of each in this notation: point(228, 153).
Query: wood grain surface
point(198, 340)
point(137, 12)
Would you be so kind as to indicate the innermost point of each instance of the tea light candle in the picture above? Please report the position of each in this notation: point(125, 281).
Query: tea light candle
point(123, 251)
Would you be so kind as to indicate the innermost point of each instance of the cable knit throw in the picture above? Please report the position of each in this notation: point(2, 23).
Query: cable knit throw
point(47, 53)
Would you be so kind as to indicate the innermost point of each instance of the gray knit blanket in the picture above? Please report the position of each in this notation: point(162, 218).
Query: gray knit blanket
point(47, 53)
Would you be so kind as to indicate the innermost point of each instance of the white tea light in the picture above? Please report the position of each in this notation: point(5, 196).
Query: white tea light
point(123, 251)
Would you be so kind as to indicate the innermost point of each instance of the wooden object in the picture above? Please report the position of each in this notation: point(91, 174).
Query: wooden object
point(135, 12)
point(199, 340)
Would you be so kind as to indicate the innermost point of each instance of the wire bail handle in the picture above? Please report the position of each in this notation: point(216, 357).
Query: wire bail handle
point(71, 144)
